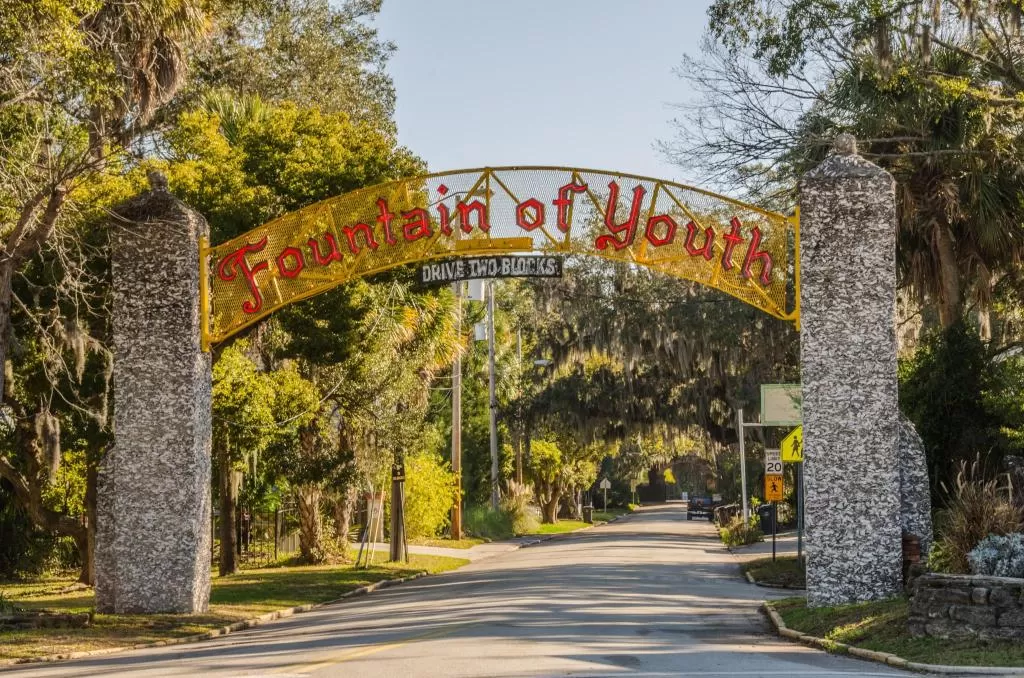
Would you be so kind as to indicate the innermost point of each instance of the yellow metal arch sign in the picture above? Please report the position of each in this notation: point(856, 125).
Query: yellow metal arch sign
point(683, 231)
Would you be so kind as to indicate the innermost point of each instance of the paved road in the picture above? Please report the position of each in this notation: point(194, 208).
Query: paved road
point(650, 595)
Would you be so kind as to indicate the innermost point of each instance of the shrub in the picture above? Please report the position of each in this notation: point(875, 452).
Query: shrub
point(516, 505)
point(976, 507)
point(739, 533)
point(431, 490)
point(479, 521)
point(999, 556)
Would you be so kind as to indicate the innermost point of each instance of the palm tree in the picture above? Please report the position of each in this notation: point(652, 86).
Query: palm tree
point(958, 168)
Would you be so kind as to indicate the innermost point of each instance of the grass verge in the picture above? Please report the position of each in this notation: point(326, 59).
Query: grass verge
point(234, 598)
point(786, 572)
point(605, 516)
point(882, 626)
point(560, 527)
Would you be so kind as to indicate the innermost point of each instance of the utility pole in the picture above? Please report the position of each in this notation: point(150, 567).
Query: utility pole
point(493, 399)
point(457, 417)
point(743, 462)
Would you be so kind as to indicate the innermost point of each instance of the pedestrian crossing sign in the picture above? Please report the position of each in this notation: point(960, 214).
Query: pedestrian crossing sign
point(791, 448)
point(773, 487)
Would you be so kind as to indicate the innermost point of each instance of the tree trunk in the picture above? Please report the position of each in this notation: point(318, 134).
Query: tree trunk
point(311, 533)
point(88, 575)
point(228, 492)
point(549, 508)
point(343, 508)
point(6, 276)
point(949, 277)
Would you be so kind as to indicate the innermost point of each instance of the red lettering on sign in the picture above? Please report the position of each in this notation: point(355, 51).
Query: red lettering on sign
point(295, 254)
point(709, 241)
point(418, 225)
point(732, 238)
point(384, 219)
point(563, 201)
point(670, 230)
point(627, 227)
point(332, 255)
point(538, 214)
point(350, 234)
point(481, 216)
point(753, 255)
point(230, 266)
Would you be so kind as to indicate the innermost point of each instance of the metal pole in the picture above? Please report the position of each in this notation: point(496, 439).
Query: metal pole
point(800, 512)
point(493, 398)
point(743, 462)
point(457, 419)
point(775, 526)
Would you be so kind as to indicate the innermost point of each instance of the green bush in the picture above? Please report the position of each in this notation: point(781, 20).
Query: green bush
point(739, 533)
point(478, 521)
point(521, 513)
point(431, 490)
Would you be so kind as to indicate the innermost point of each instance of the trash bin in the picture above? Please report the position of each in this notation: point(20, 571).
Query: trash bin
point(767, 516)
point(588, 514)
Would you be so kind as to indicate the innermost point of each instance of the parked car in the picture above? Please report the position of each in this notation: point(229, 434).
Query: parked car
point(700, 507)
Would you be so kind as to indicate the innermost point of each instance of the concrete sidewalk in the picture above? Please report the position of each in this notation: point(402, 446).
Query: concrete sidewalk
point(785, 545)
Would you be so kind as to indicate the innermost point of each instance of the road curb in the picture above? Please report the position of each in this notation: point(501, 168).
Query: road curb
point(780, 587)
point(215, 633)
point(881, 657)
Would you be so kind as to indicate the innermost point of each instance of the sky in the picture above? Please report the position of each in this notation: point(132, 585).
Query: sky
point(583, 83)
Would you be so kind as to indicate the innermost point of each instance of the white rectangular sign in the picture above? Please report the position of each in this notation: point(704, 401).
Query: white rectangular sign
point(772, 462)
point(781, 404)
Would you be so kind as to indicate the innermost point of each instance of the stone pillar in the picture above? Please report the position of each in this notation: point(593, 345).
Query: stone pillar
point(153, 506)
point(848, 372)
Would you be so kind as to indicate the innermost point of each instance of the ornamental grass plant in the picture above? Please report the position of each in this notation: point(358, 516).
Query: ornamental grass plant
point(979, 505)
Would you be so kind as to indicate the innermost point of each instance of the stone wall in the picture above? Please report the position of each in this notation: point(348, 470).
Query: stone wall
point(848, 374)
point(153, 502)
point(967, 606)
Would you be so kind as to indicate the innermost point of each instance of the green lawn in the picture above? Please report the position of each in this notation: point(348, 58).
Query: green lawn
point(786, 571)
point(882, 627)
point(605, 516)
point(238, 597)
point(560, 527)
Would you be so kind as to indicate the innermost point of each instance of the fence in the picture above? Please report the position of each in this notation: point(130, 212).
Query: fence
point(261, 537)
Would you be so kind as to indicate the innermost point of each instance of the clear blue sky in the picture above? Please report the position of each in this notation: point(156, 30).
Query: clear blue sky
point(546, 82)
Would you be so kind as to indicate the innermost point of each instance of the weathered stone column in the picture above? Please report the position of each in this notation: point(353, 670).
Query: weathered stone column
point(153, 512)
point(848, 372)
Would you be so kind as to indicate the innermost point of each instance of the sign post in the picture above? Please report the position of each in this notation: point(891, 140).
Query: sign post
point(773, 491)
point(605, 484)
point(792, 450)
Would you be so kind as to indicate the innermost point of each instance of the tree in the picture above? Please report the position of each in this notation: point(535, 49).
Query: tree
point(943, 390)
point(929, 89)
point(314, 53)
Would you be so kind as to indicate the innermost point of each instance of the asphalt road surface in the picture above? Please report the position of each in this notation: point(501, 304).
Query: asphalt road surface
point(649, 595)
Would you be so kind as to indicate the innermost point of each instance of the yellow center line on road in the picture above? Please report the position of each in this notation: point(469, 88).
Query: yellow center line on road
point(371, 649)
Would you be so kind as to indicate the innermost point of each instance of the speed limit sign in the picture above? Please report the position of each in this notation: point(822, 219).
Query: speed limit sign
point(772, 462)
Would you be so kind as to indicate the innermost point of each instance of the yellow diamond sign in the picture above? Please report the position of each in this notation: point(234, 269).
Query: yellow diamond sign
point(792, 446)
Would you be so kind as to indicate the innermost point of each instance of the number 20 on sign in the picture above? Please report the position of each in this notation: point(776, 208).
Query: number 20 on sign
point(773, 487)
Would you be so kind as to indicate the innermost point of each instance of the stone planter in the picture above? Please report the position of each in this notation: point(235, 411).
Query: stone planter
point(967, 606)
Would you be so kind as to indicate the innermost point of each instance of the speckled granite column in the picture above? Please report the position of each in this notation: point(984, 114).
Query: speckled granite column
point(848, 372)
point(153, 513)
point(915, 488)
